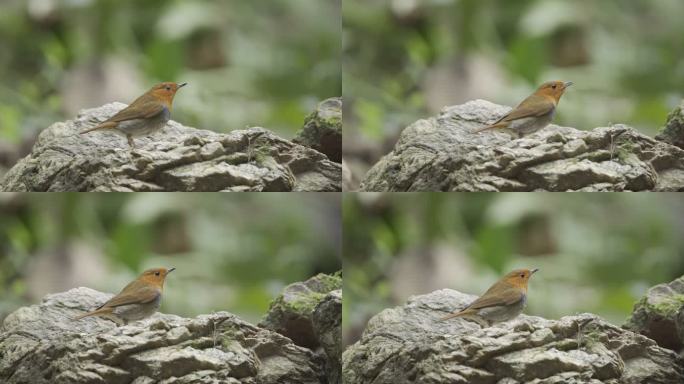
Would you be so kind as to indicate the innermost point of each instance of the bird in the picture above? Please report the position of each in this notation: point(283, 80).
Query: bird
point(503, 301)
point(533, 113)
point(145, 115)
point(138, 300)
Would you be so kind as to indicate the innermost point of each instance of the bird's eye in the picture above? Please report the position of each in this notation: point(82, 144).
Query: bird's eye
point(157, 273)
point(169, 88)
point(554, 86)
point(523, 275)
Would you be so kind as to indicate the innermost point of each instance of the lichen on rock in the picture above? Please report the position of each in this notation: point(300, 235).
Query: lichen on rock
point(673, 131)
point(322, 129)
point(291, 313)
point(658, 315)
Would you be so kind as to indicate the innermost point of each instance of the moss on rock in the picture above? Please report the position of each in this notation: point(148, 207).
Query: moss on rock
point(290, 314)
point(322, 129)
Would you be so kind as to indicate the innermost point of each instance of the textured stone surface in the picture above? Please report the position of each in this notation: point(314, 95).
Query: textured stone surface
point(322, 129)
point(177, 158)
point(673, 132)
point(407, 344)
point(442, 154)
point(327, 325)
point(659, 315)
point(291, 313)
point(41, 344)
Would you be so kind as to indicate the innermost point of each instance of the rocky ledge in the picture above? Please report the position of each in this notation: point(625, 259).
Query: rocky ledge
point(177, 158)
point(408, 345)
point(41, 344)
point(442, 154)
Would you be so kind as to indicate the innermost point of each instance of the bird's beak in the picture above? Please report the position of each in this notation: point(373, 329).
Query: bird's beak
point(170, 270)
point(181, 85)
point(536, 269)
point(568, 83)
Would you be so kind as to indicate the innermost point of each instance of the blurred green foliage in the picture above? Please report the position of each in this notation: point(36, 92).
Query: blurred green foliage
point(249, 63)
point(406, 59)
point(597, 252)
point(231, 252)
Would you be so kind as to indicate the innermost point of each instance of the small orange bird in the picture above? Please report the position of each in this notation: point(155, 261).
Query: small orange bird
point(535, 112)
point(139, 299)
point(147, 114)
point(503, 301)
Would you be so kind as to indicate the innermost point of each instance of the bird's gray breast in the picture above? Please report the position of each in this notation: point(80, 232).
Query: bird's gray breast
point(500, 313)
point(531, 124)
point(141, 127)
point(165, 114)
point(133, 312)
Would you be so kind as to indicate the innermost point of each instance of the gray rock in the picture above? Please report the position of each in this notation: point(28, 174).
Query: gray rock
point(347, 178)
point(177, 158)
point(442, 154)
point(327, 325)
point(407, 344)
point(322, 129)
point(673, 132)
point(291, 313)
point(659, 315)
point(42, 344)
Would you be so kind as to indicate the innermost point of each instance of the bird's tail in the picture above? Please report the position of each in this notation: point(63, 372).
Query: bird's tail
point(493, 126)
point(105, 125)
point(455, 314)
point(96, 312)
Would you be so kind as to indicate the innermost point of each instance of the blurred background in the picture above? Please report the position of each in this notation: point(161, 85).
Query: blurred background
point(596, 253)
point(406, 59)
point(232, 254)
point(248, 63)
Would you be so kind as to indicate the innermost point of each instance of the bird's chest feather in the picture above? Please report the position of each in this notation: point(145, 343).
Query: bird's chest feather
point(140, 127)
point(504, 312)
point(531, 124)
point(134, 312)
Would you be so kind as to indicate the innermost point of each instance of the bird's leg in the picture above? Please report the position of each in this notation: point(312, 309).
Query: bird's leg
point(115, 319)
point(131, 143)
point(483, 323)
point(480, 321)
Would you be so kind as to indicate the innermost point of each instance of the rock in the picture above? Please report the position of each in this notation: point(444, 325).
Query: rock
point(442, 154)
point(177, 158)
point(291, 313)
point(327, 325)
point(42, 344)
point(347, 178)
point(673, 132)
point(659, 315)
point(322, 129)
point(407, 344)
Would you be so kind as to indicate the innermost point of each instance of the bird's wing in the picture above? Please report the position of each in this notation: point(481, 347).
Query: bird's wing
point(533, 106)
point(139, 109)
point(141, 295)
point(506, 295)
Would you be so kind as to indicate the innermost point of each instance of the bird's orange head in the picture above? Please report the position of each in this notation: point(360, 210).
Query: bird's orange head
point(553, 89)
point(155, 276)
point(519, 277)
point(166, 91)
